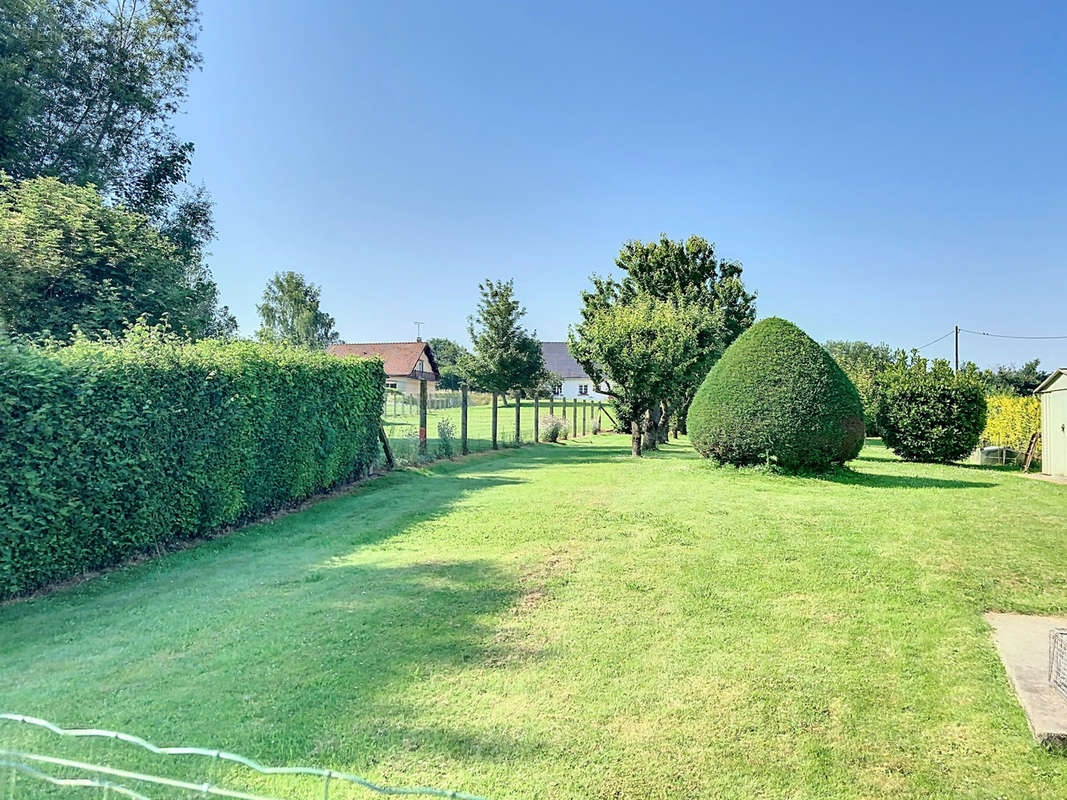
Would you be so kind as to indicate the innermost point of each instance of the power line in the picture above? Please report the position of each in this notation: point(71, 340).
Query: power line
point(1007, 336)
point(935, 341)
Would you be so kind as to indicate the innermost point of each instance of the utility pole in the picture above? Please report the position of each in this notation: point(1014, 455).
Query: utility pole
point(957, 330)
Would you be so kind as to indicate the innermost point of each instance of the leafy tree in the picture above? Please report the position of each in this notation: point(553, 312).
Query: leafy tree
point(290, 313)
point(683, 273)
point(864, 363)
point(506, 356)
point(929, 413)
point(1014, 380)
point(68, 260)
point(89, 88)
point(449, 356)
point(642, 353)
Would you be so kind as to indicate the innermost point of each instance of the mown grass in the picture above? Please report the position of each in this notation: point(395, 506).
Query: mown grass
point(567, 622)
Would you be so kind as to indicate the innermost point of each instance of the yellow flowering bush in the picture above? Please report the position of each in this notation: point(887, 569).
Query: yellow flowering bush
point(1011, 420)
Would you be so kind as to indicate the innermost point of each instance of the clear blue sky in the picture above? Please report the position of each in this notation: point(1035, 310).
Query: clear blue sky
point(882, 173)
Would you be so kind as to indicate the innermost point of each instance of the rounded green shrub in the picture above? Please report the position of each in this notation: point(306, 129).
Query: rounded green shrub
point(777, 397)
point(929, 413)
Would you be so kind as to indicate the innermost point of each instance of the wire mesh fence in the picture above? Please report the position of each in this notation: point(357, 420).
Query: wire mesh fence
point(1057, 659)
point(444, 424)
point(39, 759)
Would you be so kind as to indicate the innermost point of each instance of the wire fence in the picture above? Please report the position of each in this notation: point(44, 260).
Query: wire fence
point(208, 773)
point(444, 424)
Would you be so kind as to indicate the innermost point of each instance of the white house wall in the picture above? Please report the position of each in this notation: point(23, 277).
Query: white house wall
point(570, 390)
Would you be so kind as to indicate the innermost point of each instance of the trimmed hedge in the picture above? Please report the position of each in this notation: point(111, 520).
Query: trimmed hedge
point(108, 450)
point(928, 413)
point(777, 396)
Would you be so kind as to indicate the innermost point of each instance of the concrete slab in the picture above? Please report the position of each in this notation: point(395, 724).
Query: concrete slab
point(1040, 476)
point(1023, 643)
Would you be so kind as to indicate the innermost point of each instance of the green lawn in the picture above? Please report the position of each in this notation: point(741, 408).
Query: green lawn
point(567, 622)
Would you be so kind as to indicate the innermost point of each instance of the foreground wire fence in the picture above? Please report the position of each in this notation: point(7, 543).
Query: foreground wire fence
point(26, 770)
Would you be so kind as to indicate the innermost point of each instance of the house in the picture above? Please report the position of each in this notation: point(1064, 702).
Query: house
point(575, 383)
point(406, 363)
point(1053, 394)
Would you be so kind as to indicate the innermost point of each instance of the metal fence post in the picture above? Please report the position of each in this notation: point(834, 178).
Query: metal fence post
point(464, 449)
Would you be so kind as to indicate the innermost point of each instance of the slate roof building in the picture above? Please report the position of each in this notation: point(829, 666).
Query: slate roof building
point(575, 383)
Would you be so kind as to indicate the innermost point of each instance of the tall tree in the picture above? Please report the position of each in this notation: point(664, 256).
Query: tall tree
point(89, 88)
point(67, 259)
point(290, 313)
point(449, 356)
point(684, 273)
point(642, 354)
point(506, 356)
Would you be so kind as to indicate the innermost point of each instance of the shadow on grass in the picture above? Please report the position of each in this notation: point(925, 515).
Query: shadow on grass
point(844, 475)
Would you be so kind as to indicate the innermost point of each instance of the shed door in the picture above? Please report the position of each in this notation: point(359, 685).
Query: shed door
point(1054, 446)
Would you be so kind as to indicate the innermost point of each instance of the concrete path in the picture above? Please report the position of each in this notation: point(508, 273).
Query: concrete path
point(1023, 643)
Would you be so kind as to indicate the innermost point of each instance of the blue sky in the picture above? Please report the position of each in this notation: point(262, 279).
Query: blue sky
point(883, 173)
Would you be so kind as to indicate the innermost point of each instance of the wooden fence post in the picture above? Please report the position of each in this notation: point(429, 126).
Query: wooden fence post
point(494, 422)
point(574, 420)
point(552, 405)
point(422, 418)
point(518, 425)
point(537, 420)
point(585, 409)
point(464, 449)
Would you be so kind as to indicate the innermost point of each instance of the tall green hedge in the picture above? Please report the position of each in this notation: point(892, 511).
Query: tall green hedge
point(776, 395)
point(110, 449)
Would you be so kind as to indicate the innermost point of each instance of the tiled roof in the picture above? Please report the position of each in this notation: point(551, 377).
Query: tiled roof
point(400, 358)
point(558, 359)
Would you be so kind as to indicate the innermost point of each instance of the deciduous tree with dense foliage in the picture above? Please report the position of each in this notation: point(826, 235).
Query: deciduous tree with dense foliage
point(641, 353)
point(69, 260)
point(506, 356)
point(449, 355)
point(864, 363)
point(683, 273)
point(290, 313)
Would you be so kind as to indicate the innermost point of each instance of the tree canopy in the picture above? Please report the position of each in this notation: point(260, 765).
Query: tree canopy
point(688, 275)
point(69, 260)
point(506, 356)
point(450, 356)
point(642, 352)
point(290, 313)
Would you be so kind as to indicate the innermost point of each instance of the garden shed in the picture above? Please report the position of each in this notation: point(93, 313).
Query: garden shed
point(1053, 394)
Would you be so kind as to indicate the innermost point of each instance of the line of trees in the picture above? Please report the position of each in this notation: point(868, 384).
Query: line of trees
point(649, 338)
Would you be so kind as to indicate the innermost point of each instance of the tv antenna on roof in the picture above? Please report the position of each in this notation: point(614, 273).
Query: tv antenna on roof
point(418, 331)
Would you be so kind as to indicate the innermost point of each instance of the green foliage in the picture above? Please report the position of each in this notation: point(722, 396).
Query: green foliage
point(553, 429)
point(68, 260)
point(290, 313)
point(642, 352)
point(1014, 380)
point(864, 363)
point(449, 356)
point(777, 397)
point(1011, 420)
point(111, 448)
point(88, 89)
point(928, 413)
point(446, 438)
point(506, 356)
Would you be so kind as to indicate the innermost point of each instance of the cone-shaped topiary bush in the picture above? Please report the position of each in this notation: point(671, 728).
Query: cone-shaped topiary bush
point(777, 396)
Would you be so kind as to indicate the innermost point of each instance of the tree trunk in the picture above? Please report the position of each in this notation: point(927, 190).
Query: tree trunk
point(494, 421)
point(635, 439)
point(651, 425)
point(663, 430)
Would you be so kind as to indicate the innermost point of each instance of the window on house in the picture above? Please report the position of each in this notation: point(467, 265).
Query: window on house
point(420, 366)
point(583, 388)
point(390, 384)
point(557, 389)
